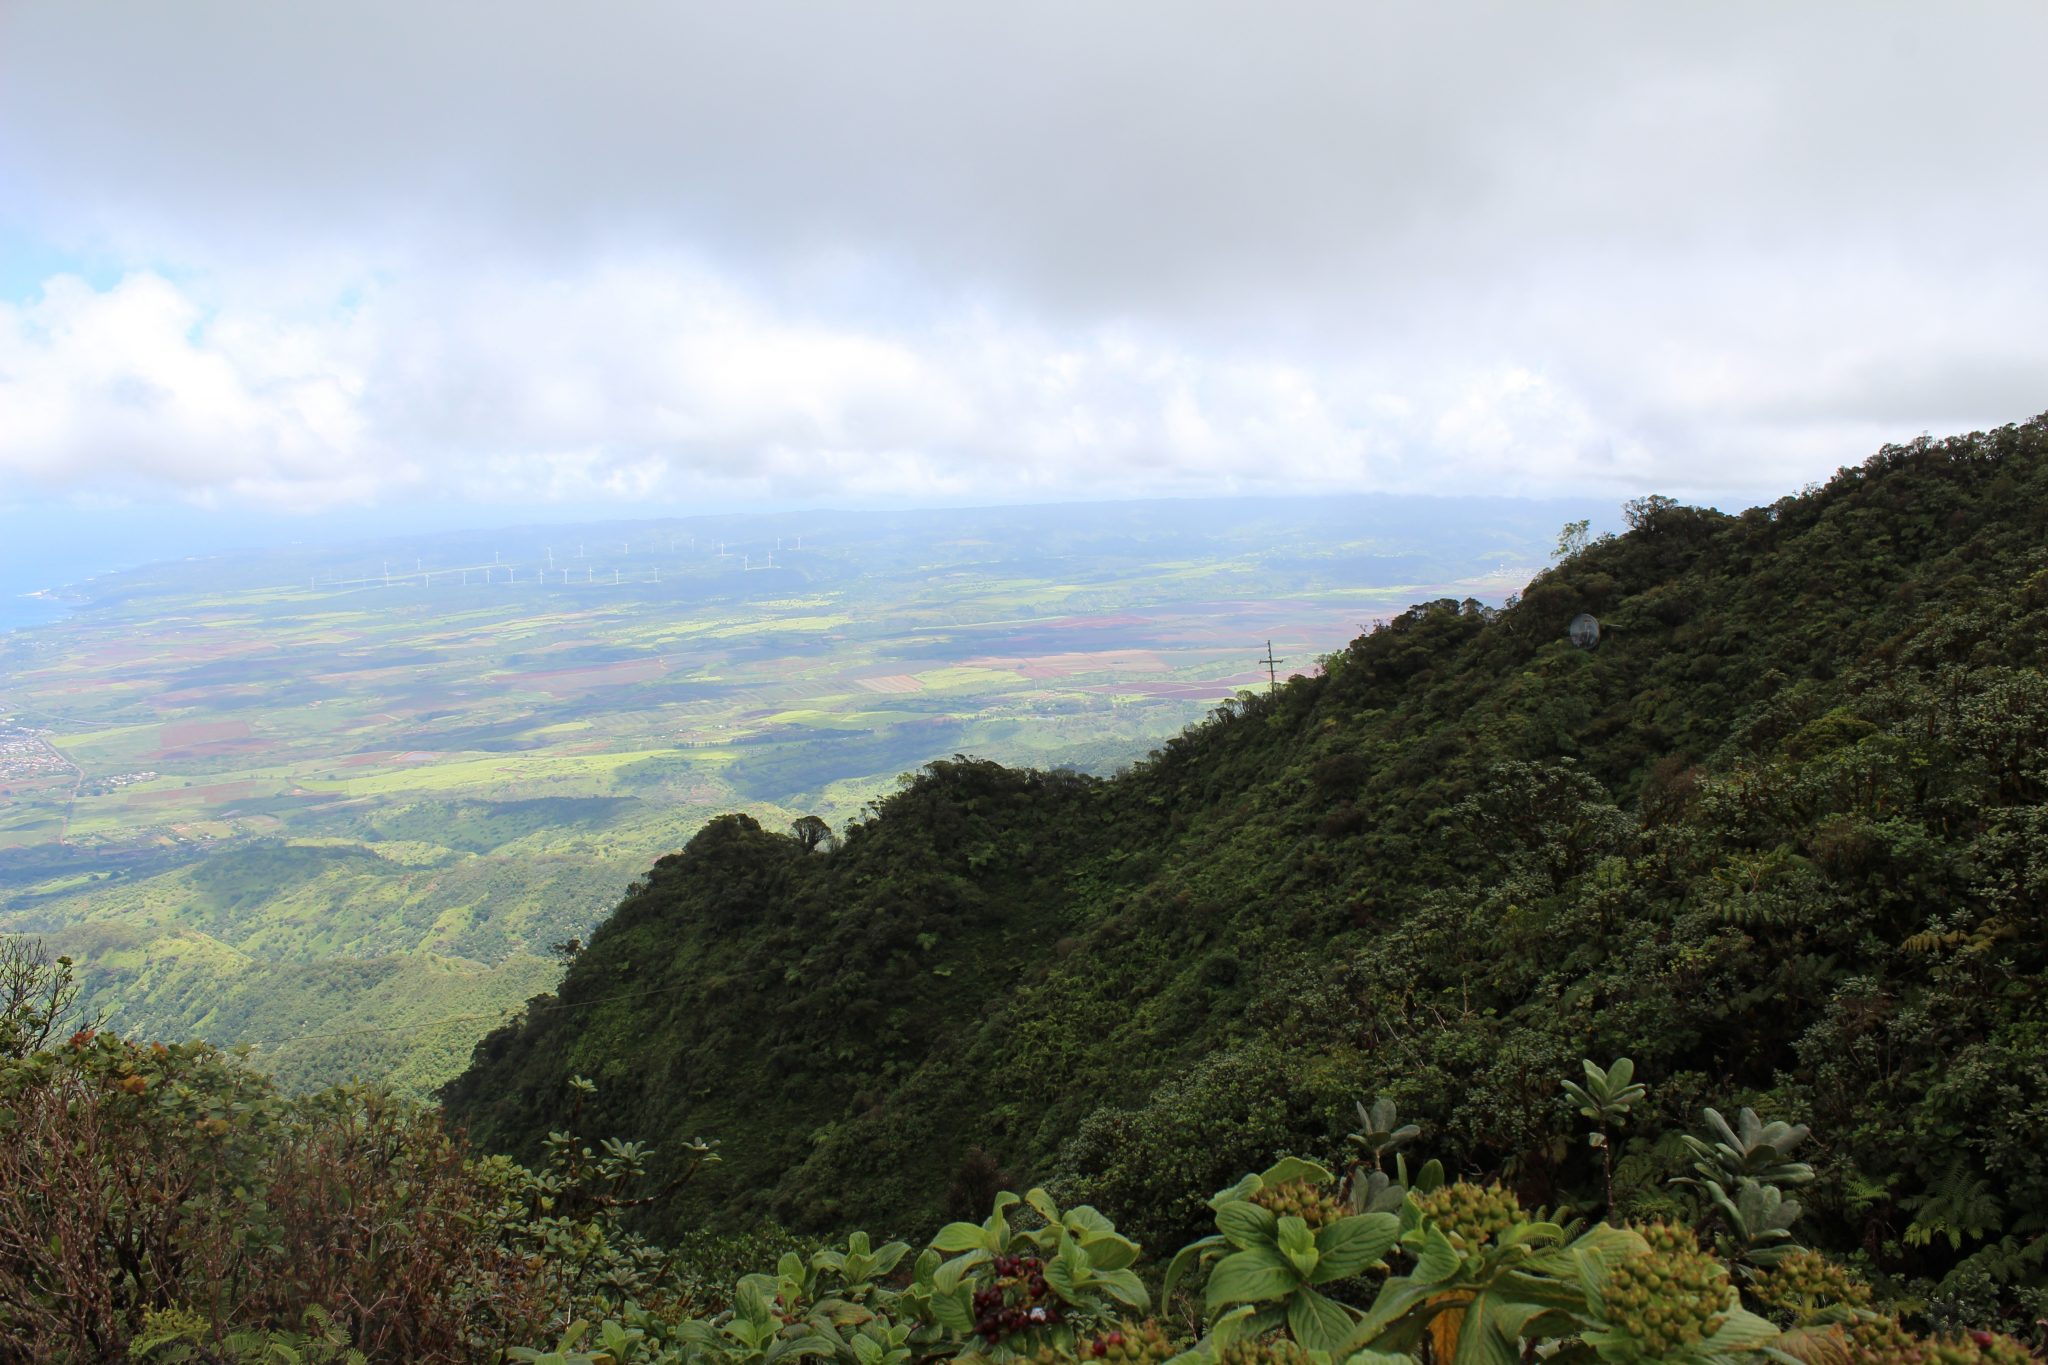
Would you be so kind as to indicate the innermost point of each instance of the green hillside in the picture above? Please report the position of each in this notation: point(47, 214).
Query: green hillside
point(1781, 837)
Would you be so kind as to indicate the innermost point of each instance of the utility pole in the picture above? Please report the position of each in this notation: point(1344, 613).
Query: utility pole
point(1272, 666)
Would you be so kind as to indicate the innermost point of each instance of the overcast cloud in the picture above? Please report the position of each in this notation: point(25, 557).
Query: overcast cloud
point(309, 256)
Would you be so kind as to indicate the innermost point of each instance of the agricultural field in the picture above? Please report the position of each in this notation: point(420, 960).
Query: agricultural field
point(341, 804)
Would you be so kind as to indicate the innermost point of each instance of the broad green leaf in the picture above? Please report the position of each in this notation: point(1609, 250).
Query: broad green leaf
point(1125, 1287)
point(1293, 1168)
point(1041, 1204)
point(1246, 1224)
point(1235, 1325)
point(1110, 1252)
point(1088, 1220)
point(1317, 1323)
point(947, 1277)
point(1243, 1189)
point(1185, 1260)
point(1397, 1314)
point(1297, 1244)
point(1439, 1259)
point(959, 1237)
point(1541, 1291)
point(954, 1311)
point(802, 1346)
point(1742, 1331)
point(1349, 1245)
point(752, 1297)
point(1483, 1338)
point(1066, 1279)
point(1251, 1275)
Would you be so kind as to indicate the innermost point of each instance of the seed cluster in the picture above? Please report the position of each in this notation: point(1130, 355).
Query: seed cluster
point(1669, 1238)
point(1313, 1204)
point(1881, 1341)
point(1264, 1351)
point(1804, 1282)
point(1143, 1343)
point(1470, 1215)
point(1018, 1301)
point(1668, 1297)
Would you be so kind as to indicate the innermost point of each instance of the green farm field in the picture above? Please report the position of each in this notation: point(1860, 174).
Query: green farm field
point(341, 803)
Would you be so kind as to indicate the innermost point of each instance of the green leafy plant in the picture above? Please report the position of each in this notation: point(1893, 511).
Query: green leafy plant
point(1380, 1132)
point(1021, 1288)
point(1742, 1167)
point(1483, 1275)
point(1282, 1235)
point(1605, 1101)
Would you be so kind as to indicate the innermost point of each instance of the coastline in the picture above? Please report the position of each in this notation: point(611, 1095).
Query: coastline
point(27, 610)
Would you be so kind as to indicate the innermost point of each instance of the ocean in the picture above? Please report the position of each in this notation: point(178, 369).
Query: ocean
point(18, 611)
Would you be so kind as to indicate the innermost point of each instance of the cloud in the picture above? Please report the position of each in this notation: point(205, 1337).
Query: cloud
point(135, 388)
point(897, 250)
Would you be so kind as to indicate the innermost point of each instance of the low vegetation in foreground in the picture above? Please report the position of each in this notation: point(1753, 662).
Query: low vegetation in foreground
point(168, 1204)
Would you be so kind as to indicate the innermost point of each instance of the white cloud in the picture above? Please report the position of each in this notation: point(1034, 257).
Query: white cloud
point(136, 386)
point(654, 381)
point(521, 253)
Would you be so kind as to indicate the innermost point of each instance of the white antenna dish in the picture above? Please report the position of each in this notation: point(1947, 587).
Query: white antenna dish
point(1584, 630)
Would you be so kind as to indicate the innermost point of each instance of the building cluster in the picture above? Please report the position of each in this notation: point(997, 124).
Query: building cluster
point(25, 756)
point(100, 786)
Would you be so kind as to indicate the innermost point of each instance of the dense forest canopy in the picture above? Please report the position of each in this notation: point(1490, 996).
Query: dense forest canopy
point(1780, 837)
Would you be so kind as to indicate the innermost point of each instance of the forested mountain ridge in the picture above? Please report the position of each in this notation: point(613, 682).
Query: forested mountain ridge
point(1782, 837)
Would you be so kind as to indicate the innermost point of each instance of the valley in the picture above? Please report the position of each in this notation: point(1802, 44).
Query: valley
point(342, 803)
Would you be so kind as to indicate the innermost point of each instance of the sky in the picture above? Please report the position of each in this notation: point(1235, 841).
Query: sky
point(294, 263)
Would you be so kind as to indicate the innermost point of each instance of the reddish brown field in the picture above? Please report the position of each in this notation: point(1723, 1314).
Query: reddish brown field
point(193, 733)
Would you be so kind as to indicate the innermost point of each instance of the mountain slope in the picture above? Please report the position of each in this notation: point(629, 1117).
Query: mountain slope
point(1781, 837)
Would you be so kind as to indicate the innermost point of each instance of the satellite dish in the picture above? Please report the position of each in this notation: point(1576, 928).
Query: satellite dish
point(1584, 630)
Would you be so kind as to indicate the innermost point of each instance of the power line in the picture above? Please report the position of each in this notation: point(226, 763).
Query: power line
point(505, 1013)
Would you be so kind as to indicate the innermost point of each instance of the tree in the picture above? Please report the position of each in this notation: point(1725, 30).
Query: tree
point(1643, 512)
point(813, 834)
point(35, 995)
point(1605, 1100)
point(1572, 539)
